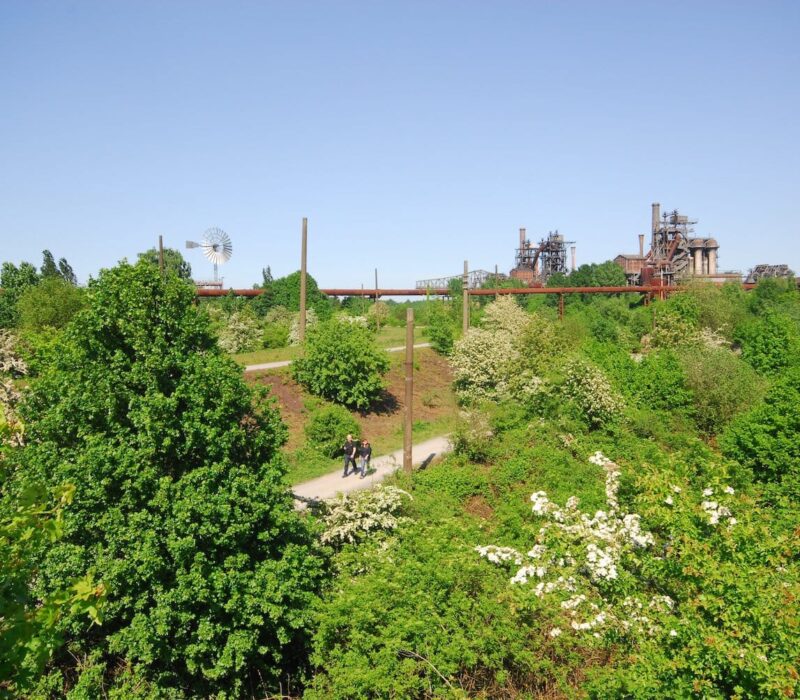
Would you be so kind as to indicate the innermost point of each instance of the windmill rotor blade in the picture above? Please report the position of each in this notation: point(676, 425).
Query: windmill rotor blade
point(217, 246)
point(193, 244)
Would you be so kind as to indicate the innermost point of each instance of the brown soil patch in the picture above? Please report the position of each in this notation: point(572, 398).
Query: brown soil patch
point(383, 423)
point(477, 506)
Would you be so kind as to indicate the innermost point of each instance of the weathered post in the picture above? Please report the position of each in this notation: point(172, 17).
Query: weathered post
point(161, 254)
point(302, 325)
point(409, 390)
point(560, 306)
point(377, 317)
point(465, 299)
point(495, 281)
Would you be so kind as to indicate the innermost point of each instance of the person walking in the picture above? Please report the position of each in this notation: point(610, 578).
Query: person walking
point(349, 449)
point(364, 455)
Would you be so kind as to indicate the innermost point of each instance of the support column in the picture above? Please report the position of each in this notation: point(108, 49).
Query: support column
point(465, 299)
point(302, 325)
point(409, 385)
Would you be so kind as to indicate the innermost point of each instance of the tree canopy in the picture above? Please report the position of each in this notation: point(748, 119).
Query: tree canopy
point(179, 505)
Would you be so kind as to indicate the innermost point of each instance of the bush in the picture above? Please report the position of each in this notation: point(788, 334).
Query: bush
point(766, 439)
point(353, 516)
point(342, 364)
point(482, 365)
point(722, 385)
point(179, 506)
point(327, 428)
point(504, 314)
point(275, 335)
point(590, 391)
point(294, 330)
point(440, 330)
point(240, 333)
point(770, 343)
point(659, 382)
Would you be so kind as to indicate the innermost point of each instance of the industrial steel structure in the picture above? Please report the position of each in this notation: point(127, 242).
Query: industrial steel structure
point(675, 254)
point(535, 264)
point(759, 272)
point(476, 278)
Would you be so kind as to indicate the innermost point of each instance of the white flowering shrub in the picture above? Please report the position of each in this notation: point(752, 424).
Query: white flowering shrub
point(473, 435)
point(505, 314)
point(11, 367)
point(240, 333)
point(591, 392)
point(355, 515)
point(481, 363)
point(294, 332)
point(591, 564)
point(360, 321)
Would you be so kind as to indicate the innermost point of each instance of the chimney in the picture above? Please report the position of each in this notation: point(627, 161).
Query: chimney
point(522, 239)
point(573, 258)
point(656, 215)
point(641, 245)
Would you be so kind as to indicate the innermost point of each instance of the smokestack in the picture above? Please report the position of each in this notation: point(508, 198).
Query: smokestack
point(641, 245)
point(656, 216)
point(521, 238)
point(572, 248)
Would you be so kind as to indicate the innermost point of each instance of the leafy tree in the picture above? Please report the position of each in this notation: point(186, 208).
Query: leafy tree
point(179, 504)
point(49, 267)
point(173, 262)
point(342, 364)
point(286, 292)
point(51, 303)
point(66, 272)
point(13, 282)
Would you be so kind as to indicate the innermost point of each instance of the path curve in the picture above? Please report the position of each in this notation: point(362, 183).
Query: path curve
point(286, 363)
point(329, 485)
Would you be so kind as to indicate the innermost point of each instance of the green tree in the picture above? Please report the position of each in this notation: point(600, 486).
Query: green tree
point(66, 272)
point(13, 282)
point(173, 262)
point(49, 267)
point(286, 292)
point(50, 304)
point(342, 364)
point(180, 506)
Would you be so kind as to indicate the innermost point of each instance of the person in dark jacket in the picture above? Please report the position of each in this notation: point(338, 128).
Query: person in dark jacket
point(364, 455)
point(349, 449)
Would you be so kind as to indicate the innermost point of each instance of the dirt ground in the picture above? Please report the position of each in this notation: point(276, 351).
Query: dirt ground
point(434, 402)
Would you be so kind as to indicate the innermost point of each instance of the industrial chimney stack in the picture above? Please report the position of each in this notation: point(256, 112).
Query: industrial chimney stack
point(641, 245)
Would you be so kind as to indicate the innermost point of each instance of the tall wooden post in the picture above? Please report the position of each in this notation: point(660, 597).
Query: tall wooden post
point(377, 317)
point(409, 390)
point(496, 286)
point(302, 326)
point(161, 254)
point(465, 299)
point(561, 307)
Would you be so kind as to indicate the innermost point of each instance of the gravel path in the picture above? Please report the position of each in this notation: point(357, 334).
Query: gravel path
point(285, 363)
point(329, 485)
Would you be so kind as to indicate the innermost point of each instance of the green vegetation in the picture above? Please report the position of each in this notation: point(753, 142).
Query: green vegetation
point(341, 363)
point(618, 518)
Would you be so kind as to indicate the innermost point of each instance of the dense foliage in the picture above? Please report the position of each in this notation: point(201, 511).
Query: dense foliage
point(341, 363)
point(178, 507)
point(326, 429)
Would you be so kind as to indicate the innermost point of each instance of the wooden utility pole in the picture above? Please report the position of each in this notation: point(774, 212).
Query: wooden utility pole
point(409, 390)
point(377, 317)
point(465, 298)
point(302, 326)
point(161, 254)
point(561, 307)
point(495, 281)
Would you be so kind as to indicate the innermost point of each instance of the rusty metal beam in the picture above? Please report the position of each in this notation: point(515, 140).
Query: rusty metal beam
point(650, 289)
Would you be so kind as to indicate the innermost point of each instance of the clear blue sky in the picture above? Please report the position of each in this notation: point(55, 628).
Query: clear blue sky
point(413, 135)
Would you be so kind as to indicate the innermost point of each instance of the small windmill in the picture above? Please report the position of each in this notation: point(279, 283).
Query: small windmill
point(216, 246)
